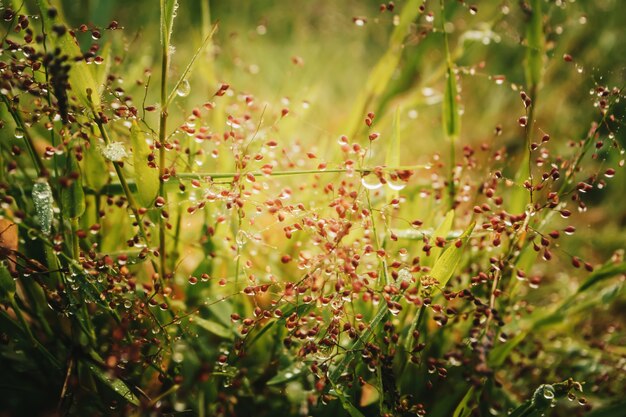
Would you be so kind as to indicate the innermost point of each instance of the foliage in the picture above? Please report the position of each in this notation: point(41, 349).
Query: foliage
point(340, 208)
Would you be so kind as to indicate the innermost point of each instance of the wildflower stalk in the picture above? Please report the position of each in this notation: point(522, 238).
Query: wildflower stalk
point(165, 63)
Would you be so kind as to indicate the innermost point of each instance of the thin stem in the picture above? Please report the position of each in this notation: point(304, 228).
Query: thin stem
point(17, 117)
point(218, 175)
point(162, 141)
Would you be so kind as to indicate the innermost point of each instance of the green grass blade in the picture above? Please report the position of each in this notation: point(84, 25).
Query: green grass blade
point(463, 410)
point(168, 14)
point(145, 175)
point(81, 76)
point(442, 231)
point(115, 384)
point(73, 196)
point(380, 76)
point(214, 328)
point(451, 117)
point(187, 70)
point(533, 65)
point(449, 260)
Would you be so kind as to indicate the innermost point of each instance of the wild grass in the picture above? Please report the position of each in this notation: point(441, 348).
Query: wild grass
point(245, 208)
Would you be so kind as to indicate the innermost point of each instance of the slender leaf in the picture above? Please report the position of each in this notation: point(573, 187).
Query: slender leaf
point(449, 260)
point(168, 14)
point(115, 384)
point(535, 47)
point(463, 409)
point(214, 328)
point(290, 373)
point(145, 175)
point(73, 196)
point(187, 70)
point(605, 272)
point(451, 117)
point(94, 166)
point(384, 69)
point(81, 76)
point(442, 231)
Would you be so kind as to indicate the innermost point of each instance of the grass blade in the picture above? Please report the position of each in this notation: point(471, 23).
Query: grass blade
point(185, 73)
point(145, 175)
point(449, 260)
point(81, 76)
point(73, 196)
point(115, 384)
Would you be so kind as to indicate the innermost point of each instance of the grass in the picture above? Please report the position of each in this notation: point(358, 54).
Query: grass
point(235, 208)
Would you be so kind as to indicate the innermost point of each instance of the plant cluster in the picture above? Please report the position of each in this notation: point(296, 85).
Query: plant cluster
point(168, 257)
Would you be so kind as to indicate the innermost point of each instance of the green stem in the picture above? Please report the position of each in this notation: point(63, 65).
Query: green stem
point(28, 139)
point(219, 175)
point(162, 141)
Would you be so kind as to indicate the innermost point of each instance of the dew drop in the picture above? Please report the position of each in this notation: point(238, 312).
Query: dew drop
point(183, 89)
point(371, 182)
point(19, 133)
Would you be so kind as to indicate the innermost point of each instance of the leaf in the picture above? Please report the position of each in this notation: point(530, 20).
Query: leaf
point(81, 75)
point(463, 410)
point(451, 117)
point(359, 342)
point(102, 71)
point(442, 231)
point(73, 196)
point(95, 170)
point(168, 14)
point(214, 328)
point(449, 260)
point(145, 175)
point(392, 158)
point(7, 283)
point(290, 373)
point(384, 69)
point(185, 73)
point(535, 46)
point(605, 272)
point(345, 402)
point(115, 384)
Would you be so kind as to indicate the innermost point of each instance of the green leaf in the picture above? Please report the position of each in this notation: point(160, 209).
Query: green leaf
point(449, 260)
point(95, 169)
point(451, 117)
point(7, 283)
point(345, 402)
point(392, 159)
point(145, 175)
point(115, 384)
point(214, 328)
point(73, 196)
point(290, 373)
point(168, 13)
point(81, 75)
point(442, 231)
point(533, 64)
point(605, 272)
point(384, 69)
point(463, 410)
point(185, 73)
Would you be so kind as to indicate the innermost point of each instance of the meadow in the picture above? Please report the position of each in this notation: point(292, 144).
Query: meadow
point(329, 208)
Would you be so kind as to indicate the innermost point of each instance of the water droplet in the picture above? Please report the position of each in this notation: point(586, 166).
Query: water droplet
point(42, 199)
point(396, 185)
point(371, 182)
point(359, 21)
point(19, 133)
point(183, 89)
point(114, 151)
